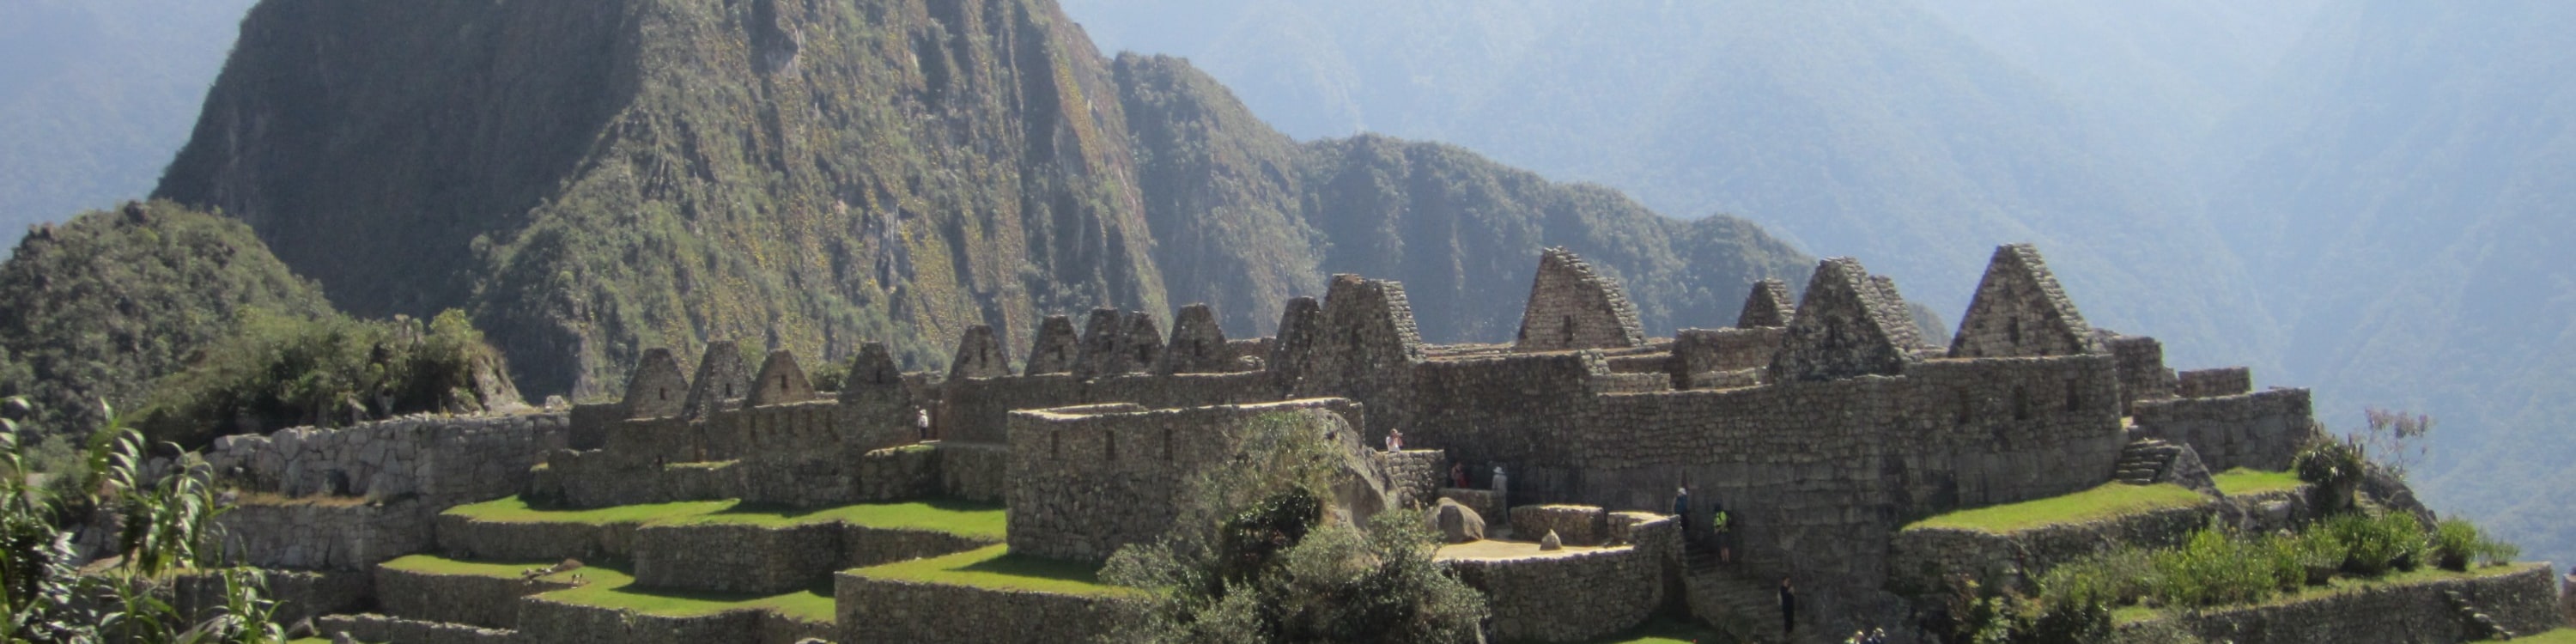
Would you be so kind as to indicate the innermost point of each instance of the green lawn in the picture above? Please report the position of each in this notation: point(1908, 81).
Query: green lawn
point(608, 587)
point(2104, 502)
point(1663, 630)
point(2560, 636)
point(2343, 585)
point(994, 567)
point(954, 517)
point(2242, 481)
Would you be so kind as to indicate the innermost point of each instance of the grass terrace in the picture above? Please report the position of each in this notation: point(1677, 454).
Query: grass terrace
point(2343, 585)
point(1662, 630)
point(954, 517)
point(2243, 481)
point(607, 587)
point(2110, 500)
point(993, 567)
point(2560, 636)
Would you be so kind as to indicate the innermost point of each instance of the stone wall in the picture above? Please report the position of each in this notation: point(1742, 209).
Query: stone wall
point(300, 594)
point(1573, 307)
point(2520, 600)
point(380, 628)
point(1575, 525)
point(2210, 383)
point(1575, 595)
point(731, 558)
point(1416, 474)
point(875, 610)
point(1088, 480)
point(1698, 354)
point(554, 622)
point(978, 472)
point(472, 600)
point(443, 461)
point(2143, 375)
point(323, 534)
point(466, 538)
point(1921, 560)
point(2259, 430)
point(1843, 329)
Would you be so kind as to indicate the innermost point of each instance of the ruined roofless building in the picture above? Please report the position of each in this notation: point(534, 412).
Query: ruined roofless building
point(1824, 426)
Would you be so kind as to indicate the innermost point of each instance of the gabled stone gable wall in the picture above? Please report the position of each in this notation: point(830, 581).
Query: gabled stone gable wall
point(979, 355)
point(1768, 305)
point(1842, 329)
point(1573, 307)
point(781, 381)
point(1198, 344)
point(1056, 348)
point(657, 389)
point(1891, 307)
point(2020, 311)
point(721, 377)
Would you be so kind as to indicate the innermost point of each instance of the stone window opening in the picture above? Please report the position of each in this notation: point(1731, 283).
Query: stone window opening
point(1167, 443)
point(2074, 396)
point(1055, 445)
point(728, 390)
point(1967, 410)
point(2021, 403)
point(2012, 329)
point(1144, 354)
point(663, 393)
point(1567, 331)
point(1109, 443)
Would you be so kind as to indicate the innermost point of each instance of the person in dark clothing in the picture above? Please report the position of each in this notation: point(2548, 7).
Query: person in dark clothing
point(1681, 511)
point(1788, 607)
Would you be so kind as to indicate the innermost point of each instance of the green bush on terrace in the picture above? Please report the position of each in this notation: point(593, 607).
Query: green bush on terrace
point(953, 517)
point(2109, 500)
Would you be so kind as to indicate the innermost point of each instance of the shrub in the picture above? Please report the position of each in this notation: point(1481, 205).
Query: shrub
point(2215, 567)
point(2336, 468)
point(2458, 544)
point(2375, 545)
point(281, 370)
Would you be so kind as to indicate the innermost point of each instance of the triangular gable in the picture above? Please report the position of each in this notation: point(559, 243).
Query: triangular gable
point(1571, 306)
point(781, 381)
point(1891, 306)
point(721, 377)
point(1056, 347)
point(979, 355)
point(1842, 329)
point(874, 376)
point(657, 389)
point(1767, 306)
point(2020, 311)
point(1102, 353)
point(1198, 343)
point(1140, 342)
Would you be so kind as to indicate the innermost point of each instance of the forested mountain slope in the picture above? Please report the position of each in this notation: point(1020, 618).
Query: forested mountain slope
point(594, 179)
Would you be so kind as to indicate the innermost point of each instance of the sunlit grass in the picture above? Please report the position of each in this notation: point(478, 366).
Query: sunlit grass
point(974, 520)
point(994, 567)
point(1663, 630)
point(2243, 481)
point(608, 587)
point(2110, 500)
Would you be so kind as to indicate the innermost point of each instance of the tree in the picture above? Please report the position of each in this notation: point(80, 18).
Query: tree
point(1257, 555)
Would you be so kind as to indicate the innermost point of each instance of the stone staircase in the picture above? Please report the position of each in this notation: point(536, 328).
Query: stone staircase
point(1738, 604)
point(2144, 461)
point(2481, 626)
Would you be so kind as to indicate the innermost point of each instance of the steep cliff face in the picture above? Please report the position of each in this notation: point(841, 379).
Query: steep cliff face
point(592, 179)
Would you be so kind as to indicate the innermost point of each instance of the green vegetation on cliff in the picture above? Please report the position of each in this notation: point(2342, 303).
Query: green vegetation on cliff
point(813, 177)
point(278, 371)
point(97, 308)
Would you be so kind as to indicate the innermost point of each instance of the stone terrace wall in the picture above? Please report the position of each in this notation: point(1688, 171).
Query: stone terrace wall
point(602, 478)
point(443, 460)
point(978, 411)
point(2210, 383)
point(1921, 560)
point(324, 534)
point(473, 600)
point(1699, 353)
point(873, 610)
point(2259, 430)
point(380, 628)
point(769, 560)
point(1572, 596)
point(2521, 601)
point(1088, 480)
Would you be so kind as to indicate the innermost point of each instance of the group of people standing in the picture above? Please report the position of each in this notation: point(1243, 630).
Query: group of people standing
point(1719, 523)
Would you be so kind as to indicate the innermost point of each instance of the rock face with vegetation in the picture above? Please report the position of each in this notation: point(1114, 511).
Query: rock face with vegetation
point(99, 307)
point(817, 176)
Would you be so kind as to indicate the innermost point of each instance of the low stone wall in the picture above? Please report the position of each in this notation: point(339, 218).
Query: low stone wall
point(472, 600)
point(2520, 600)
point(1921, 559)
point(865, 546)
point(443, 460)
point(1575, 525)
point(2259, 430)
point(895, 474)
point(323, 534)
point(598, 478)
point(1483, 501)
point(1567, 596)
point(467, 538)
point(300, 594)
point(380, 628)
point(737, 558)
point(875, 610)
point(2211, 383)
point(978, 472)
point(1416, 474)
point(554, 622)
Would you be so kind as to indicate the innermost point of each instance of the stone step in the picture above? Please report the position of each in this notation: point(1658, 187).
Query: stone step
point(370, 627)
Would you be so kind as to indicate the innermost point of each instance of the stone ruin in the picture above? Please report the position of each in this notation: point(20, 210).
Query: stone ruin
point(1823, 425)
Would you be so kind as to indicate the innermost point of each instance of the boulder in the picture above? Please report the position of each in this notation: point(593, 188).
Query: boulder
point(1551, 542)
point(1457, 523)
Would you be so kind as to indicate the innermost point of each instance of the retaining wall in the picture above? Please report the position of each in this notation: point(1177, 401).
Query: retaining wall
point(875, 610)
point(2260, 430)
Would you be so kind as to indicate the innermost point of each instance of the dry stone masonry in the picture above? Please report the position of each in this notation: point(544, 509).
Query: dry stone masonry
point(1823, 428)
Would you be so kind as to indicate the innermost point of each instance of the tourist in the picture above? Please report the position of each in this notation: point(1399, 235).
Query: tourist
point(921, 422)
point(1718, 523)
point(1878, 636)
point(1458, 475)
point(1788, 607)
point(1502, 490)
point(1681, 510)
point(1394, 440)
